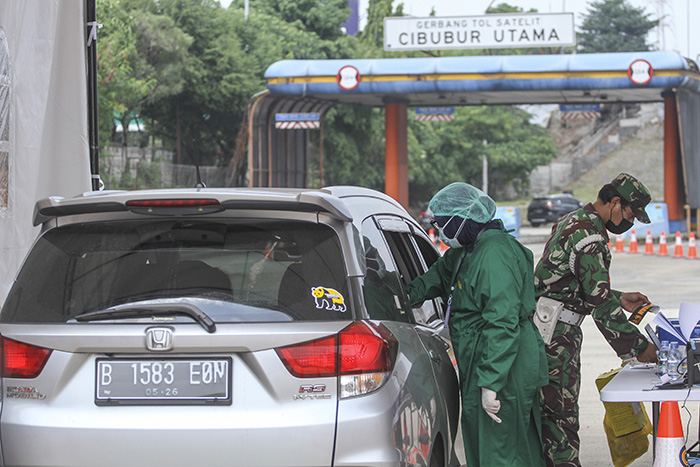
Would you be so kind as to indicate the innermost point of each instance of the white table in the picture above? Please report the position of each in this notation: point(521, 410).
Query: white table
point(635, 385)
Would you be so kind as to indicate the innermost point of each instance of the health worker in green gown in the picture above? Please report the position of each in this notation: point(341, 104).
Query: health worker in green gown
point(486, 277)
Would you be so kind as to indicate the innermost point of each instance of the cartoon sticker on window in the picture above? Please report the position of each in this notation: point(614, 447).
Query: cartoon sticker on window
point(328, 299)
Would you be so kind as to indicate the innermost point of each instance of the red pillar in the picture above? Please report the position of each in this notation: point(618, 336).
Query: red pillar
point(673, 180)
point(396, 152)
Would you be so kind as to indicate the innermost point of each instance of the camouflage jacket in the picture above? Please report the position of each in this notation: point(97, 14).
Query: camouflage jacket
point(582, 281)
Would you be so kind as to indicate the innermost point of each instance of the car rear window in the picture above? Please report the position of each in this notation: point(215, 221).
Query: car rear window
point(248, 270)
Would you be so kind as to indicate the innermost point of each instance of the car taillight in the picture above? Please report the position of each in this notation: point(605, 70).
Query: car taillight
point(311, 359)
point(549, 204)
point(174, 207)
point(21, 360)
point(171, 203)
point(361, 355)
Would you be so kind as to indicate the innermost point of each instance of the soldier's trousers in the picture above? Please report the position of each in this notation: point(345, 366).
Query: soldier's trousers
point(560, 414)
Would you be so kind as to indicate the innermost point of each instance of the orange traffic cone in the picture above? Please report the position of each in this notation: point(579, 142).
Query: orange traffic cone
point(692, 250)
point(649, 244)
point(670, 443)
point(678, 252)
point(634, 245)
point(431, 234)
point(443, 247)
point(619, 244)
point(663, 247)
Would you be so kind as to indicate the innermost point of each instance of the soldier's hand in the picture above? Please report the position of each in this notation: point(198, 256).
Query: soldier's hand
point(649, 354)
point(490, 404)
point(632, 300)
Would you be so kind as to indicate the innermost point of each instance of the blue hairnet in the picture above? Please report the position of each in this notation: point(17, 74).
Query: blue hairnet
point(463, 200)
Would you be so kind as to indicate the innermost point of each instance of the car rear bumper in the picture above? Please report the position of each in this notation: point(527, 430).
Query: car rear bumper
point(205, 439)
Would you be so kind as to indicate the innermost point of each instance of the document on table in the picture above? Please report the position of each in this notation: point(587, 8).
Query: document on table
point(688, 317)
point(661, 321)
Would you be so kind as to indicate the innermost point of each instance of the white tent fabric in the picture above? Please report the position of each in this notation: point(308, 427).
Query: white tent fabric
point(43, 66)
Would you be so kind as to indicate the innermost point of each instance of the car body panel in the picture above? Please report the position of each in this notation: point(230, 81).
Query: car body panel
point(263, 403)
point(273, 417)
point(407, 403)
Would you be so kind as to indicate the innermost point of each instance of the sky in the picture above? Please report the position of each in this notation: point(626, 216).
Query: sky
point(673, 36)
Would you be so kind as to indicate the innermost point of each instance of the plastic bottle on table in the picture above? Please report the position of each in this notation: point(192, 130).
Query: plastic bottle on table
point(673, 362)
point(663, 358)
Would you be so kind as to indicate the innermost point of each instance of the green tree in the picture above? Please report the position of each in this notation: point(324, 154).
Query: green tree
point(373, 33)
point(354, 146)
point(440, 152)
point(157, 61)
point(320, 17)
point(115, 74)
point(200, 119)
point(453, 151)
point(196, 94)
point(614, 26)
point(140, 60)
point(224, 63)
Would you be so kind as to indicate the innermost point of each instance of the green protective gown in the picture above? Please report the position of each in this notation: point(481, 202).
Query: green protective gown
point(496, 344)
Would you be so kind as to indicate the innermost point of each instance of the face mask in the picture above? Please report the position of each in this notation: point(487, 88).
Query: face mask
point(620, 228)
point(451, 242)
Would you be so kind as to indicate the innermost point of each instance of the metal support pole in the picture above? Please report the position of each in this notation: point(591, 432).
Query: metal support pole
point(93, 120)
point(396, 152)
point(673, 181)
point(485, 170)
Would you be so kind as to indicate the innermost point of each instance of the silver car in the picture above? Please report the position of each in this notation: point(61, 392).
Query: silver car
point(236, 327)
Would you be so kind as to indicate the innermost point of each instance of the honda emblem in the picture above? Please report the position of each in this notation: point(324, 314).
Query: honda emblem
point(159, 339)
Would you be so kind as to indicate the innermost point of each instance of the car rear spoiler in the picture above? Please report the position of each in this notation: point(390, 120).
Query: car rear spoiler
point(229, 199)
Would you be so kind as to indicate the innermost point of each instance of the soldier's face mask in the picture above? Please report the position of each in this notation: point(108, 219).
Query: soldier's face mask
point(623, 226)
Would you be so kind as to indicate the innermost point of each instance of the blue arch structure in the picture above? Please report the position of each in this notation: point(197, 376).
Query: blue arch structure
point(512, 79)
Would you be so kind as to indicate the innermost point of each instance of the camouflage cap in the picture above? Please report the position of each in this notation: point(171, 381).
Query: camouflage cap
point(635, 193)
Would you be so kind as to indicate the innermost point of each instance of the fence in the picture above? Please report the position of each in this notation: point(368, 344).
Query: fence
point(138, 168)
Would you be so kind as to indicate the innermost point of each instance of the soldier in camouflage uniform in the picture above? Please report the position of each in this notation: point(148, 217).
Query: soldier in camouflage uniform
point(574, 271)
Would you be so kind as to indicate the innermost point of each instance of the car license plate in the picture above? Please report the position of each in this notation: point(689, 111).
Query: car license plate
point(163, 381)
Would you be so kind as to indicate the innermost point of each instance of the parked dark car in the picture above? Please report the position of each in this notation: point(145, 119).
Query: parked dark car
point(550, 208)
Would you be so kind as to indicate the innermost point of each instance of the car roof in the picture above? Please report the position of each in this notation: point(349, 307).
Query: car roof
point(556, 195)
point(333, 201)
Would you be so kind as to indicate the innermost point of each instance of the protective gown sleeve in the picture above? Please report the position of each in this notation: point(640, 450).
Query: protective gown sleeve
point(436, 281)
point(499, 284)
point(594, 282)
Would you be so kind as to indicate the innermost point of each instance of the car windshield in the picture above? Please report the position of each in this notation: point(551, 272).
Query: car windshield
point(243, 270)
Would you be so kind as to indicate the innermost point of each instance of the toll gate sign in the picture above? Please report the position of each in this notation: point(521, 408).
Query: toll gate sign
point(435, 114)
point(479, 32)
point(297, 121)
point(579, 111)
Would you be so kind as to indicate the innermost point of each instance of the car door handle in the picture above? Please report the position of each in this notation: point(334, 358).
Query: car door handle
point(434, 356)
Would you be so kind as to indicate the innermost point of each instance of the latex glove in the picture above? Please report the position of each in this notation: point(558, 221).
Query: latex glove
point(630, 301)
point(649, 355)
point(490, 404)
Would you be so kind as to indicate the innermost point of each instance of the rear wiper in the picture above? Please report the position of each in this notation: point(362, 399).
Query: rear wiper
point(136, 310)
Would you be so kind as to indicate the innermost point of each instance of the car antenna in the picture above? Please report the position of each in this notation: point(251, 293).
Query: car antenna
point(200, 183)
